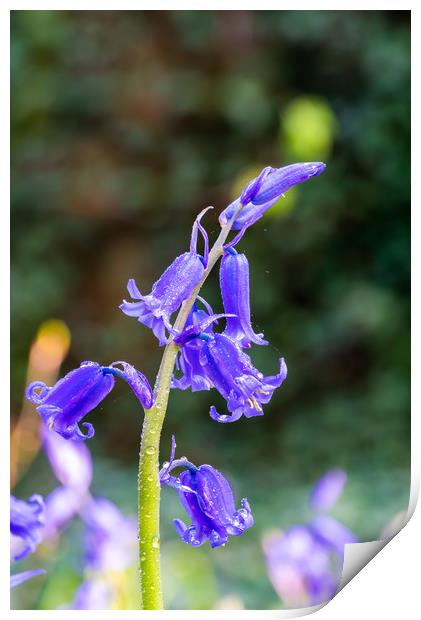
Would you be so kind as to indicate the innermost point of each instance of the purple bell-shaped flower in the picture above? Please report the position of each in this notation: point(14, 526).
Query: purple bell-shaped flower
point(64, 405)
point(235, 289)
point(168, 293)
point(209, 502)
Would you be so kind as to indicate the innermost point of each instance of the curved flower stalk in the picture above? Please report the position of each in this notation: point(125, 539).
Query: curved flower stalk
point(173, 287)
point(305, 562)
point(209, 502)
point(65, 404)
point(26, 525)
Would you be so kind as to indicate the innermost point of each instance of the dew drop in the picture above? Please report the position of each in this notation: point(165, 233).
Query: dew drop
point(150, 450)
point(155, 542)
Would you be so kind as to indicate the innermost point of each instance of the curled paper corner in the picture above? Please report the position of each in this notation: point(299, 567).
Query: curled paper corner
point(358, 555)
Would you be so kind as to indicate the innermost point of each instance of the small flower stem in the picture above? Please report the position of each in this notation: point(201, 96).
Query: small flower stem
point(149, 485)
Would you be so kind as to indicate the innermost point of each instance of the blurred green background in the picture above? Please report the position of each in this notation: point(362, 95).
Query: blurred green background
point(124, 126)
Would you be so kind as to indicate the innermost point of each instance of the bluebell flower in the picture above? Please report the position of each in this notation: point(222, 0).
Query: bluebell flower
point(168, 293)
point(26, 524)
point(64, 405)
point(305, 562)
point(61, 506)
point(235, 289)
point(243, 386)
point(92, 594)
point(110, 540)
point(220, 363)
point(209, 502)
point(327, 490)
point(265, 190)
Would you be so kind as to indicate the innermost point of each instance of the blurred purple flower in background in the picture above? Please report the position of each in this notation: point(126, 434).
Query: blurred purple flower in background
point(305, 562)
point(92, 594)
point(110, 540)
point(70, 461)
point(26, 525)
point(209, 502)
point(64, 405)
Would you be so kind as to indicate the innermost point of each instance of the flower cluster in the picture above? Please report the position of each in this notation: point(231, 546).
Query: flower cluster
point(206, 359)
point(26, 525)
point(305, 562)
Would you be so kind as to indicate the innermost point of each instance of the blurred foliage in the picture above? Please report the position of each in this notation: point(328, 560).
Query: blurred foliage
point(124, 126)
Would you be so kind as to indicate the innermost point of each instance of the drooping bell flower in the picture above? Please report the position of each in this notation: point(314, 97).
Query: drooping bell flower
point(209, 502)
point(26, 524)
point(168, 293)
point(235, 289)
point(267, 189)
point(228, 369)
point(243, 386)
point(64, 405)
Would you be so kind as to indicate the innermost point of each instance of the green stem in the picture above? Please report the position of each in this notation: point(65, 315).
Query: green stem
point(149, 484)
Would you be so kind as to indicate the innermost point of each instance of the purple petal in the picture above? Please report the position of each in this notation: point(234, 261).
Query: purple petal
point(61, 506)
point(111, 537)
point(64, 405)
point(274, 184)
point(168, 293)
point(332, 533)
point(235, 289)
point(254, 186)
point(281, 180)
point(70, 461)
point(193, 331)
point(92, 595)
point(327, 490)
point(26, 523)
point(137, 381)
point(16, 580)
